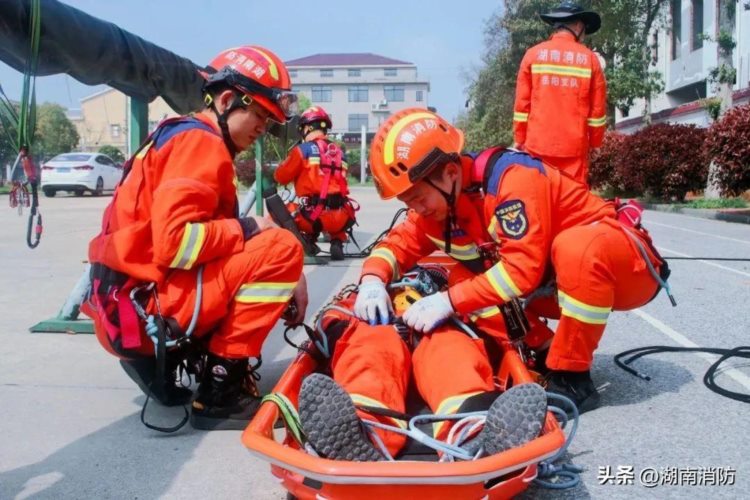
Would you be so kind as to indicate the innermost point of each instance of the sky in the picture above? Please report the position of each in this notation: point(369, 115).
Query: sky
point(444, 38)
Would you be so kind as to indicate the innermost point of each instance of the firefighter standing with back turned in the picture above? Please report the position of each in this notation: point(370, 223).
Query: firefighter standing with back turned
point(561, 101)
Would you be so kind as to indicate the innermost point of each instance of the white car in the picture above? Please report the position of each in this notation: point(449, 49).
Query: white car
point(80, 172)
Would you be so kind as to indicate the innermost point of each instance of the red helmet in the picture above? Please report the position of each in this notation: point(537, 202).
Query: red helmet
point(316, 117)
point(408, 147)
point(258, 73)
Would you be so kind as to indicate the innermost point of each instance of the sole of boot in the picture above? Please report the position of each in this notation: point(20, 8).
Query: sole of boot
point(143, 373)
point(330, 421)
point(515, 418)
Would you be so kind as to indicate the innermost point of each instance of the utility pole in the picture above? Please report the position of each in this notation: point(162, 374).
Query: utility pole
point(363, 155)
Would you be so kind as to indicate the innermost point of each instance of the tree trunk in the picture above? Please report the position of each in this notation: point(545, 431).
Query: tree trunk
point(726, 15)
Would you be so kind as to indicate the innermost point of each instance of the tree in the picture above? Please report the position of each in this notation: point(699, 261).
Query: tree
point(55, 134)
point(113, 152)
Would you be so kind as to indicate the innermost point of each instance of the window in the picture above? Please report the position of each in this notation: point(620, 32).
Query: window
point(355, 72)
point(356, 121)
point(321, 94)
point(326, 72)
point(676, 28)
point(114, 130)
point(697, 24)
point(394, 93)
point(104, 160)
point(420, 96)
point(292, 73)
point(390, 71)
point(358, 93)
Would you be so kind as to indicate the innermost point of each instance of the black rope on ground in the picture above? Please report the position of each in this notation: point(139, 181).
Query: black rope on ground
point(709, 379)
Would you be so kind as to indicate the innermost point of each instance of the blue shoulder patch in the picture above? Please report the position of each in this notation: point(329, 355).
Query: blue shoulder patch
point(172, 129)
point(309, 149)
point(506, 160)
point(512, 217)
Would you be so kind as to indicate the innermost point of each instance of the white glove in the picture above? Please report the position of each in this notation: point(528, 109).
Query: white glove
point(373, 303)
point(429, 312)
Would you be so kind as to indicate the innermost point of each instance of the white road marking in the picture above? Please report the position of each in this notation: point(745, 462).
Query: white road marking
point(708, 263)
point(746, 242)
point(679, 338)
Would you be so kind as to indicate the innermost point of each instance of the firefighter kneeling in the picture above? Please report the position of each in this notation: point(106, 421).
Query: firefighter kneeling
point(513, 225)
point(318, 169)
point(176, 272)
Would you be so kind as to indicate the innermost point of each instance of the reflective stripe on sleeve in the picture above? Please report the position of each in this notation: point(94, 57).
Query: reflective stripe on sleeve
point(193, 237)
point(264, 292)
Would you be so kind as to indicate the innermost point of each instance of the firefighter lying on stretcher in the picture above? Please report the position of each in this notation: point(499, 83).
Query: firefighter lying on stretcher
point(372, 368)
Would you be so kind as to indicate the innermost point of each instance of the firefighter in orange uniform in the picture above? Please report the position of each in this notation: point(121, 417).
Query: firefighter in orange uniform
point(206, 277)
point(513, 224)
point(561, 102)
point(318, 169)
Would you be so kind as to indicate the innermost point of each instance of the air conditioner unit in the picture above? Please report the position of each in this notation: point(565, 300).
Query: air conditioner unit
point(383, 103)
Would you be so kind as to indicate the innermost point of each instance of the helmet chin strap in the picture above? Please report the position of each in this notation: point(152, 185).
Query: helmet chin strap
point(221, 118)
point(576, 35)
point(450, 221)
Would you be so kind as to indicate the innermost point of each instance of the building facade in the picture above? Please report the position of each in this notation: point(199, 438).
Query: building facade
point(358, 89)
point(685, 51)
point(103, 119)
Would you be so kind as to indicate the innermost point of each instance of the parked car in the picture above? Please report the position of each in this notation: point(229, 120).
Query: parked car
point(80, 172)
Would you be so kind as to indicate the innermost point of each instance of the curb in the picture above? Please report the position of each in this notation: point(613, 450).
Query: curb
point(702, 213)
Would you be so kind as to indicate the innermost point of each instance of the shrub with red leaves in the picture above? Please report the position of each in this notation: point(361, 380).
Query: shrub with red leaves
point(603, 172)
point(664, 161)
point(244, 166)
point(728, 145)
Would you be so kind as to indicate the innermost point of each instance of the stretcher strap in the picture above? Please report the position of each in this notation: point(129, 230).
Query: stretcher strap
point(560, 476)
point(288, 414)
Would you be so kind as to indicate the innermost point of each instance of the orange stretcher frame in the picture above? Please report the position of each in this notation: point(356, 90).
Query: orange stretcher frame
point(307, 477)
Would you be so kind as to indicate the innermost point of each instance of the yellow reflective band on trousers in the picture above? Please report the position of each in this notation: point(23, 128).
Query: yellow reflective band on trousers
point(265, 292)
point(193, 237)
point(520, 117)
point(597, 122)
point(361, 400)
point(386, 255)
point(458, 252)
point(560, 70)
point(501, 282)
point(449, 406)
point(594, 315)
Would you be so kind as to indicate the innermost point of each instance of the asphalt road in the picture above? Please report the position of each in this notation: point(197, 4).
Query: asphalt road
point(70, 424)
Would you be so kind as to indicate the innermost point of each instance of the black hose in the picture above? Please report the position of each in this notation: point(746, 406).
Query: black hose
point(709, 379)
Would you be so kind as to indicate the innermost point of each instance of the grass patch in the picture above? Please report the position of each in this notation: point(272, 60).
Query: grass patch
point(4, 189)
point(715, 204)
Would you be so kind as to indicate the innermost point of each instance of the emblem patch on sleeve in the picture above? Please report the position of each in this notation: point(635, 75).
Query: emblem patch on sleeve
point(511, 215)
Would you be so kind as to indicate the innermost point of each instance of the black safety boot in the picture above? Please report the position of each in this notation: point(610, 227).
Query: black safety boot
point(337, 250)
point(330, 421)
point(166, 391)
point(513, 419)
point(577, 386)
point(227, 396)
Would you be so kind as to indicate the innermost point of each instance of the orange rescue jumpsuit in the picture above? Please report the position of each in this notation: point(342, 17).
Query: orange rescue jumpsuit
point(177, 211)
point(561, 104)
point(544, 222)
point(303, 167)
